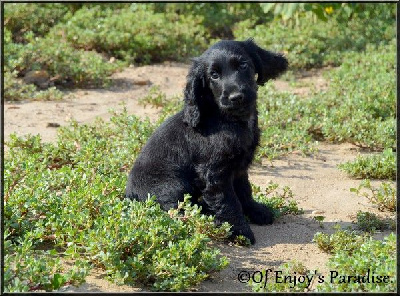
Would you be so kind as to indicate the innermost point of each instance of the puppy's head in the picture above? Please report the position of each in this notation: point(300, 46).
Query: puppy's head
point(224, 80)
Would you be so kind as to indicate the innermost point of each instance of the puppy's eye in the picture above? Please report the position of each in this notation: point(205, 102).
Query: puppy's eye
point(243, 66)
point(214, 75)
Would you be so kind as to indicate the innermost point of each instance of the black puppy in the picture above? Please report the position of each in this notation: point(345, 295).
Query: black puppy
point(205, 149)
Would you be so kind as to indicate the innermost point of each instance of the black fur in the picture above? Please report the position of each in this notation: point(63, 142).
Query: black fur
point(206, 149)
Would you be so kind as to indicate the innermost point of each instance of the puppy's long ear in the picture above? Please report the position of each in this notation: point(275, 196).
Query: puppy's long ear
point(268, 64)
point(194, 93)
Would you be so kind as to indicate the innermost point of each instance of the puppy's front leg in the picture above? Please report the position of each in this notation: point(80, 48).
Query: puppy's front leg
point(256, 212)
point(220, 196)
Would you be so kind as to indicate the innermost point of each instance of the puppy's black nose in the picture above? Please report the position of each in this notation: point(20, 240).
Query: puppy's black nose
point(236, 97)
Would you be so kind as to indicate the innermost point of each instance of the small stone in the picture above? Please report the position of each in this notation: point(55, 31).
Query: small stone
point(53, 124)
point(142, 82)
point(317, 212)
point(39, 78)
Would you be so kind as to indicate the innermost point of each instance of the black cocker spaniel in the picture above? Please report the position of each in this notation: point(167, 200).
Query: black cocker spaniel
point(206, 149)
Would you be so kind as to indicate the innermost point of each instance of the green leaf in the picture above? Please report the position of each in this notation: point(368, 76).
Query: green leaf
point(290, 10)
point(57, 281)
point(267, 7)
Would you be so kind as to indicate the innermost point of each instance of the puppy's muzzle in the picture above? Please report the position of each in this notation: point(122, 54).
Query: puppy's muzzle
point(236, 97)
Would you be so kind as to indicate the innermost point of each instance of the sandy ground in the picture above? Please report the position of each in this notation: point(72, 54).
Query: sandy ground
point(319, 187)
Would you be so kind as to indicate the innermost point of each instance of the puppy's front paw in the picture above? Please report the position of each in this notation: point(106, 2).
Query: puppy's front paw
point(243, 229)
point(260, 214)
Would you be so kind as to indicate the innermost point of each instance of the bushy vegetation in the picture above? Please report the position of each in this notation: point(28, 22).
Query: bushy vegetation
point(359, 255)
point(218, 19)
point(66, 199)
point(281, 202)
point(63, 65)
point(377, 166)
point(362, 113)
point(383, 196)
point(32, 17)
point(134, 33)
point(15, 90)
point(311, 42)
point(341, 240)
point(370, 222)
point(74, 42)
point(353, 254)
point(155, 98)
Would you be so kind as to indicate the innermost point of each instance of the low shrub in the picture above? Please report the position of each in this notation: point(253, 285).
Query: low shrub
point(384, 196)
point(355, 255)
point(66, 63)
point(370, 222)
point(218, 19)
point(154, 98)
point(341, 240)
point(315, 43)
point(134, 33)
point(361, 113)
point(62, 63)
point(38, 18)
point(377, 166)
point(371, 259)
point(16, 90)
point(29, 270)
point(66, 200)
point(284, 121)
point(280, 201)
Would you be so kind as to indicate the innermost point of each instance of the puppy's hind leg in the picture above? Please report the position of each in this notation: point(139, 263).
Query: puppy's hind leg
point(168, 192)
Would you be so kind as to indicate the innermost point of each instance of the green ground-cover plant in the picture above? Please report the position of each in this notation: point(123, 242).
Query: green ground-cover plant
point(284, 121)
point(155, 98)
point(134, 33)
point(293, 13)
point(370, 222)
point(16, 90)
point(68, 198)
point(343, 239)
point(359, 255)
point(282, 202)
point(362, 113)
point(154, 32)
point(383, 196)
point(376, 166)
point(314, 43)
point(60, 60)
point(218, 19)
point(65, 200)
point(38, 18)
point(64, 65)
point(353, 254)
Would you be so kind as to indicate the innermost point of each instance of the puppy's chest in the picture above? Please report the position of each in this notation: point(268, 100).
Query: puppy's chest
point(235, 143)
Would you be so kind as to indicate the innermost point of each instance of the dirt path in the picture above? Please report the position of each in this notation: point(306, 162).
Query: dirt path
point(319, 187)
